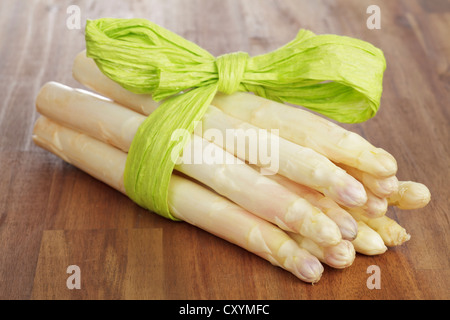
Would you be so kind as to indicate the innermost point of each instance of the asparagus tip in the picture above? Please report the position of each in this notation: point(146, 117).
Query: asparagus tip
point(340, 256)
point(388, 164)
point(389, 186)
point(309, 270)
point(350, 231)
point(352, 194)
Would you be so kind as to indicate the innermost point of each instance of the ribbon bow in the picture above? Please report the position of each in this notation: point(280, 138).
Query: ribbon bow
point(339, 77)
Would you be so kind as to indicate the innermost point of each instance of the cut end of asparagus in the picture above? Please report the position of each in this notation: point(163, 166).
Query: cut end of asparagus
point(393, 234)
point(340, 256)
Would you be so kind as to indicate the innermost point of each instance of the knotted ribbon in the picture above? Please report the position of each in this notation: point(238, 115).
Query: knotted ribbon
point(339, 77)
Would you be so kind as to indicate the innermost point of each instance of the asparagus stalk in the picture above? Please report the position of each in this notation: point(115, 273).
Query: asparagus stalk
point(86, 72)
point(375, 207)
point(381, 187)
point(187, 200)
point(230, 177)
point(225, 219)
point(346, 223)
point(298, 163)
point(98, 159)
point(338, 256)
point(354, 226)
point(410, 195)
point(260, 195)
point(309, 130)
point(368, 241)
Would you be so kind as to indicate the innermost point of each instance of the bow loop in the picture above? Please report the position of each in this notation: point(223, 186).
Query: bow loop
point(230, 70)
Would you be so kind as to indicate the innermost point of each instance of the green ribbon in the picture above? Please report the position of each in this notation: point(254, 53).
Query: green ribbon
point(339, 77)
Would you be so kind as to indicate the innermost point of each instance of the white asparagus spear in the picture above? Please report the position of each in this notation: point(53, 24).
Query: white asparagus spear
point(237, 181)
point(225, 219)
point(410, 195)
point(98, 159)
point(187, 200)
point(392, 233)
point(299, 126)
point(382, 187)
point(368, 241)
point(227, 175)
point(378, 191)
point(346, 223)
point(298, 163)
point(86, 72)
point(365, 239)
point(338, 256)
point(309, 130)
point(375, 207)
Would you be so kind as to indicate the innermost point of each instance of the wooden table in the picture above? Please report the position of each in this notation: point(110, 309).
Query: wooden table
point(53, 216)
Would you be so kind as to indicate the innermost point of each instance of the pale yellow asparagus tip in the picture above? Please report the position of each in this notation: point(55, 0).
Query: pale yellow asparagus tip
point(368, 241)
point(341, 255)
point(345, 222)
point(375, 206)
point(308, 269)
point(316, 225)
point(380, 186)
point(386, 161)
point(352, 193)
point(338, 256)
point(410, 195)
point(386, 187)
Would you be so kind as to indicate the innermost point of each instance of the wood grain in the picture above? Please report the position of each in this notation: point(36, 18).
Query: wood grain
point(119, 264)
point(53, 215)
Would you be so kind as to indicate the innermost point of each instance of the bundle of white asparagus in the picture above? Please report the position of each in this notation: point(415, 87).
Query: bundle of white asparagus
point(327, 200)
